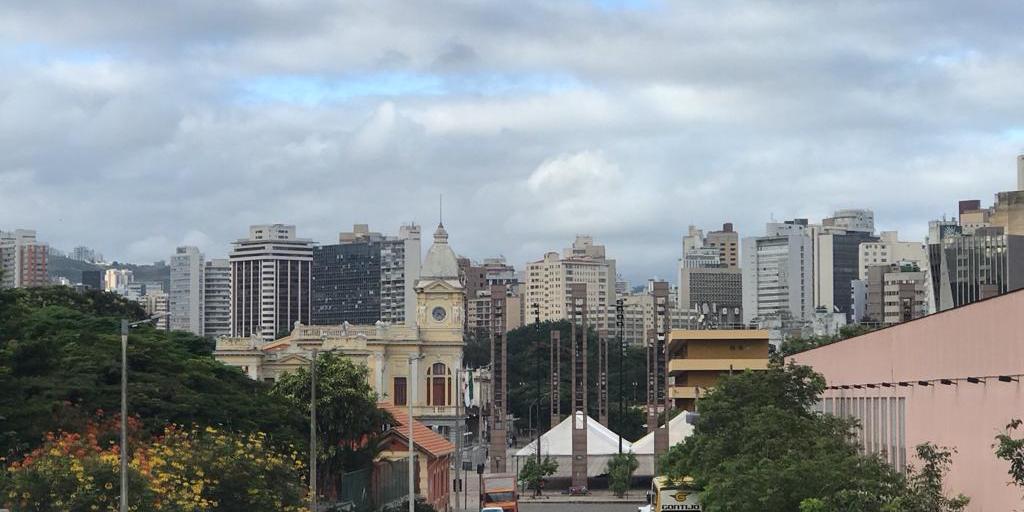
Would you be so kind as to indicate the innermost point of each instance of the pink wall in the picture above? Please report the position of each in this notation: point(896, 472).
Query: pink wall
point(980, 340)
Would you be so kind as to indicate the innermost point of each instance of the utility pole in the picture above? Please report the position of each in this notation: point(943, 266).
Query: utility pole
point(412, 450)
point(312, 433)
point(536, 321)
point(661, 397)
point(499, 381)
point(556, 380)
point(458, 435)
point(124, 415)
point(125, 327)
point(602, 376)
point(620, 326)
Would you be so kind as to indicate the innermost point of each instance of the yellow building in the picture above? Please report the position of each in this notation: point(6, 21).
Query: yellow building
point(391, 352)
point(697, 358)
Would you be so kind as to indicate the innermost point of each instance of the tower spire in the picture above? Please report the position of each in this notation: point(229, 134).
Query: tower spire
point(440, 209)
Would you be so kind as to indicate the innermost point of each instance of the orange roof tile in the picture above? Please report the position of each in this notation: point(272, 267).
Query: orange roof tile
point(426, 439)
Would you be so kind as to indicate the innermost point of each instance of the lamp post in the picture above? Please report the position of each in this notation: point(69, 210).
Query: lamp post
point(412, 454)
point(125, 326)
point(536, 321)
point(312, 432)
point(620, 326)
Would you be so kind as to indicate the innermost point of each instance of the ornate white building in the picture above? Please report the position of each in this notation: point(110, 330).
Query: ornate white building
point(391, 352)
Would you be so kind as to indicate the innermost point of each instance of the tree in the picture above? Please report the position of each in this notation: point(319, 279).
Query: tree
point(630, 425)
point(178, 471)
point(60, 362)
point(620, 472)
point(534, 473)
point(924, 491)
point(349, 423)
point(1011, 449)
point(529, 362)
point(758, 446)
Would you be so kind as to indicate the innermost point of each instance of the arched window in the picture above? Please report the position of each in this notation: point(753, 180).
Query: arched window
point(439, 385)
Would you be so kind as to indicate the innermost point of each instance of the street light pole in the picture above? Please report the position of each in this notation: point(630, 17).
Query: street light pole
point(620, 324)
point(312, 433)
point(125, 326)
point(124, 415)
point(412, 453)
point(536, 321)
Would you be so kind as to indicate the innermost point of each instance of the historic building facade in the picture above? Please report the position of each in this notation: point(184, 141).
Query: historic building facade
point(415, 363)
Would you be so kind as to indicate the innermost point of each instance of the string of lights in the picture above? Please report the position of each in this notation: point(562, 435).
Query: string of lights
point(931, 382)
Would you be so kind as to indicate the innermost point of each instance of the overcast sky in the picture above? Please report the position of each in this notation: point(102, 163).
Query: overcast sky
point(134, 129)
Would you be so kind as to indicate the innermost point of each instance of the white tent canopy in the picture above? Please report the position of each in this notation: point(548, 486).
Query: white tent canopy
point(556, 443)
point(678, 430)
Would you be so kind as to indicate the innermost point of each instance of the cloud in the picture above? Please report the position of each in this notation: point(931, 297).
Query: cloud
point(135, 129)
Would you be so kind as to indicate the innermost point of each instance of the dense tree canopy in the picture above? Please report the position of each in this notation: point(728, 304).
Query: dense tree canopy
point(60, 362)
point(348, 420)
point(529, 364)
point(758, 445)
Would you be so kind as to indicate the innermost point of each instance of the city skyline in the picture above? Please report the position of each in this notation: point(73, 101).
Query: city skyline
point(183, 124)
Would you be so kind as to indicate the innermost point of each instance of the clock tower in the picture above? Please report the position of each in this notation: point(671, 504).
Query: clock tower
point(440, 297)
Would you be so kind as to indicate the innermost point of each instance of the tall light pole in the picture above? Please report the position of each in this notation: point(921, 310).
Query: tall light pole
point(312, 432)
point(620, 327)
point(536, 321)
point(412, 452)
point(125, 326)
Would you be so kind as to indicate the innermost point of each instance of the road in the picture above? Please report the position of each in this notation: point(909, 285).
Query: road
point(577, 507)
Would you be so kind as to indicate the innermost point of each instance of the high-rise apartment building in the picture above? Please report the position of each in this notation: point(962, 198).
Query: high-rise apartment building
point(400, 265)
point(217, 298)
point(979, 255)
point(979, 266)
point(836, 247)
point(117, 280)
point(23, 260)
point(346, 279)
point(547, 282)
point(778, 272)
point(156, 301)
point(478, 279)
point(187, 290)
point(853, 219)
point(271, 282)
point(715, 287)
point(638, 314)
point(892, 293)
point(92, 279)
point(889, 249)
point(367, 277)
point(82, 253)
point(709, 273)
point(727, 242)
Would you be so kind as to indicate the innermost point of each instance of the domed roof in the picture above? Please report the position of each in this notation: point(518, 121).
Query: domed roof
point(440, 262)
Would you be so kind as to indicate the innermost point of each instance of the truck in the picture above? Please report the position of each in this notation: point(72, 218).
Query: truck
point(667, 495)
point(499, 491)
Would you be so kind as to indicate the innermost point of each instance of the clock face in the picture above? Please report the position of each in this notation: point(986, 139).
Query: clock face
point(439, 313)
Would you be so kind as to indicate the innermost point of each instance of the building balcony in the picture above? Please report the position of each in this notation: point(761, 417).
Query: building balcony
point(677, 366)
